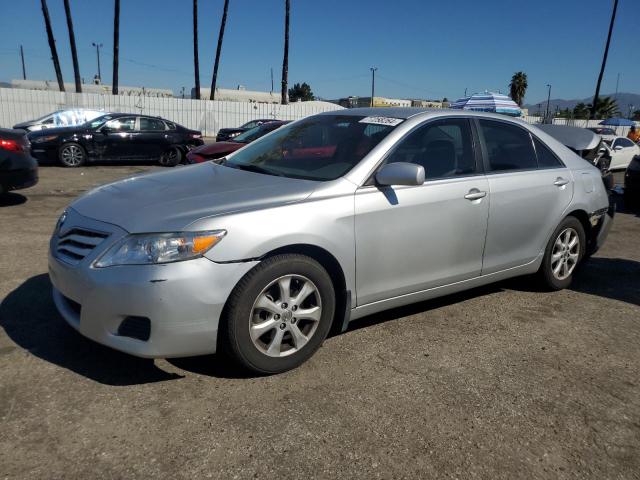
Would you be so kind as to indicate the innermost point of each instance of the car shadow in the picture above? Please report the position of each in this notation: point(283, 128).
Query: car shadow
point(11, 199)
point(30, 319)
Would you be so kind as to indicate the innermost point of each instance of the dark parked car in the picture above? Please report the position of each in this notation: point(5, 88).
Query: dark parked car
point(632, 184)
point(225, 134)
point(17, 168)
point(116, 136)
point(222, 149)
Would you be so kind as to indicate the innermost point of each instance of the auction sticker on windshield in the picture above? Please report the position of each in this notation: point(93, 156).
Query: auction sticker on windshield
point(392, 122)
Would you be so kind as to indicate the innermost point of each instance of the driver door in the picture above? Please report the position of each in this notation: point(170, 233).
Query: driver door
point(413, 238)
point(114, 140)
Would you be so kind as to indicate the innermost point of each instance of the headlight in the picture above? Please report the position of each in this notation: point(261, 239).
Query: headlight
point(48, 138)
point(234, 134)
point(153, 248)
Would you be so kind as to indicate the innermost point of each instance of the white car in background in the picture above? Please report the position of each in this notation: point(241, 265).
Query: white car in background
point(622, 152)
point(61, 118)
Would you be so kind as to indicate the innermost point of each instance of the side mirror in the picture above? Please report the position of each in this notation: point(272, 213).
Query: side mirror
point(106, 130)
point(400, 173)
point(617, 148)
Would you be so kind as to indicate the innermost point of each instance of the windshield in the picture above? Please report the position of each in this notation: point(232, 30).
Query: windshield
point(96, 122)
point(322, 147)
point(250, 135)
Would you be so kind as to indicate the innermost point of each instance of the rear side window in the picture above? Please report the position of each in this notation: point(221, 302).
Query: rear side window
point(546, 158)
point(151, 124)
point(508, 147)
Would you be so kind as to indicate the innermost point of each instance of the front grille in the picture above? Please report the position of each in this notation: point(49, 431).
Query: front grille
point(74, 245)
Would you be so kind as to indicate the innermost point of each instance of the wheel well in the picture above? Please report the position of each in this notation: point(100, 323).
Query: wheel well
point(331, 264)
point(582, 216)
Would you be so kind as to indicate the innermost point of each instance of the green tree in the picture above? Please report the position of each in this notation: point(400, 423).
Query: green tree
point(606, 107)
point(301, 91)
point(581, 111)
point(636, 115)
point(518, 87)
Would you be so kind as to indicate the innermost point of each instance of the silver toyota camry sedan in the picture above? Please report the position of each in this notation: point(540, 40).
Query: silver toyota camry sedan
point(259, 255)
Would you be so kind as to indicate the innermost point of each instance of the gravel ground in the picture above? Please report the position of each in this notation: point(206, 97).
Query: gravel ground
point(503, 381)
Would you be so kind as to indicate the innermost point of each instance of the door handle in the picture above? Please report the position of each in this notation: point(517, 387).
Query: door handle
point(560, 182)
point(475, 194)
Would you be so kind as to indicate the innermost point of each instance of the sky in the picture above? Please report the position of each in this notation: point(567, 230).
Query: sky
point(422, 48)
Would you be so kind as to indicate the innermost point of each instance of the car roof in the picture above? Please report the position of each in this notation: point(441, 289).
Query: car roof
point(409, 112)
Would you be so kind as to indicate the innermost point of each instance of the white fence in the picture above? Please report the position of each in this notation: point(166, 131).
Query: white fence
point(576, 122)
point(18, 105)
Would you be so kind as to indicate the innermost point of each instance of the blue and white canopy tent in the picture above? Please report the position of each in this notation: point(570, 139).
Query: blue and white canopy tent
point(488, 102)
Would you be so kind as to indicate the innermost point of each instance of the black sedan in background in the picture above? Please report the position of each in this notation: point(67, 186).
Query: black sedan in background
point(17, 168)
point(116, 136)
point(225, 134)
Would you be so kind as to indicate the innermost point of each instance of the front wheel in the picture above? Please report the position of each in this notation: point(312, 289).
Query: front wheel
point(171, 157)
point(564, 252)
point(72, 155)
point(278, 315)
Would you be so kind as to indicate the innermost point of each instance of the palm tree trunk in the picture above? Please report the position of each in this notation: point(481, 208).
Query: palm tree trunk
point(223, 23)
point(604, 61)
point(72, 41)
point(116, 45)
point(52, 45)
point(285, 60)
point(196, 63)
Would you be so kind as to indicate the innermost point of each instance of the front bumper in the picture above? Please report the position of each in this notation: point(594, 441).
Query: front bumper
point(182, 301)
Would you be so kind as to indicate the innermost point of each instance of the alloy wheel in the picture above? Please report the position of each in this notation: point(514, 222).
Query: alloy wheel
point(72, 156)
point(565, 254)
point(170, 157)
point(285, 316)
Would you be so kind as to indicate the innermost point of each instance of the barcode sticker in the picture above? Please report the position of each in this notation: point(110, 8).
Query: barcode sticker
point(392, 122)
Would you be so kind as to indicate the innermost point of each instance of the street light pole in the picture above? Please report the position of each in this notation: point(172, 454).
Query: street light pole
point(98, 46)
point(546, 115)
point(373, 82)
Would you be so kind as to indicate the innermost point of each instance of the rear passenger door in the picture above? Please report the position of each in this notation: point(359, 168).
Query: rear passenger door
point(151, 138)
point(529, 190)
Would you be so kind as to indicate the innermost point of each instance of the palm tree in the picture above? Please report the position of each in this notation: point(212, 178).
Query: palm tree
point(285, 60)
point(52, 44)
point(72, 41)
point(518, 87)
point(116, 45)
point(223, 23)
point(581, 111)
point(196, 63)
point(605, 107)
point(596, 97)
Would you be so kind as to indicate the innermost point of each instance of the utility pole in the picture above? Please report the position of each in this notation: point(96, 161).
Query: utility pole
point(271, 79)
point(546, 114)
point(615, 96)
point(604, 61)
point(72, 42)
point(98, 46)
point(465, 92)
point(373, 83)
point(24, 71)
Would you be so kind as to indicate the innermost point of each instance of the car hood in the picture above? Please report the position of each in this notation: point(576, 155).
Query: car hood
point(218, 147)
point(171, 201)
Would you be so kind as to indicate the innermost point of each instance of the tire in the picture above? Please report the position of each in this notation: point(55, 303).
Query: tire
point(562, 256)
point(259, 329)
point(171, 158)
point(72, 155)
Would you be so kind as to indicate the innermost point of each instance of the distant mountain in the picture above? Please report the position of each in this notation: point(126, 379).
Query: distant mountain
point(623, 99)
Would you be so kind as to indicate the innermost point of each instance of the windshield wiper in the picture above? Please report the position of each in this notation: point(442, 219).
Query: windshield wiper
point(254, 168)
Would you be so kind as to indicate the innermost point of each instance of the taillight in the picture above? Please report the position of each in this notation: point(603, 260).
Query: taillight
point(196, 135)
point(11, 145)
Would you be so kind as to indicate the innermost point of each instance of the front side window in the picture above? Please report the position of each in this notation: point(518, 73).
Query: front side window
point(509, 147)
point(623, 142)
point(322, 147)
point(123, 124)
point(151, 124)
point(444, 148)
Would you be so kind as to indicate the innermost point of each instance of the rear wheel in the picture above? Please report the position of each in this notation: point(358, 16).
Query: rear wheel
point(171, 157)
point(564, 252)
point(278, 315)
point(72, 155)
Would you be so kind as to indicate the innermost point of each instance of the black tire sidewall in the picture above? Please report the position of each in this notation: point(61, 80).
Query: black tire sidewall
point(235, 338)
point(172, 163)
point(68, 144)
point(546, 271)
